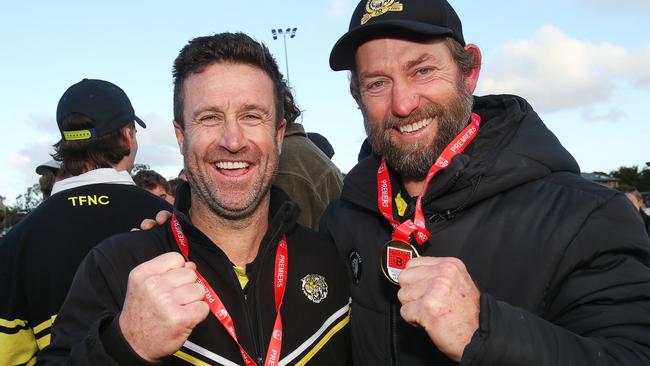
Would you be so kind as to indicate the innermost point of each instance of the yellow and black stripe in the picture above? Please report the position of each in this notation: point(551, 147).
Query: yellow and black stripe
point(19, 343)
point(197, 355)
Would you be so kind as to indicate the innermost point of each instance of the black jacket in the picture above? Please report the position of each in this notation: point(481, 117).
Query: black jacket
point(86, 331)
point(562, 263)
point(40, 256)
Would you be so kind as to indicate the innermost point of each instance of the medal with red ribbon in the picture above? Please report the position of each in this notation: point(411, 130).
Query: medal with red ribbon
point(219, 310)
point(397, 252)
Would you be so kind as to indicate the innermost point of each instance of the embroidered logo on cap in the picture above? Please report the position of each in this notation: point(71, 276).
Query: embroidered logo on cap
point(314, 287)
point(375, 8)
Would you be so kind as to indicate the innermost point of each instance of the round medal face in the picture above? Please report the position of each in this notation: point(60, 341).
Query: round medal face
point(394, 256)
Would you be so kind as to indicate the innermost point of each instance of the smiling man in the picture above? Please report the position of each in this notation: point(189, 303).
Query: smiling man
point(522, 262)
point(232, 278)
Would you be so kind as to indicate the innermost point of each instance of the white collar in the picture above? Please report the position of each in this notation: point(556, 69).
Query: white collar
point(103, 175)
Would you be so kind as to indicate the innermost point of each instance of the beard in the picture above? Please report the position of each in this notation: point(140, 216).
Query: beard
point(415, 160)
point(228, 202)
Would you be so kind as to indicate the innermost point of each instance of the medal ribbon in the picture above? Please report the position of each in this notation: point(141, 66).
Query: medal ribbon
point(417, 226)
point(219, 310)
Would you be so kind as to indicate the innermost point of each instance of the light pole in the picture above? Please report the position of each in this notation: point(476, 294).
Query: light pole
point(291, 32)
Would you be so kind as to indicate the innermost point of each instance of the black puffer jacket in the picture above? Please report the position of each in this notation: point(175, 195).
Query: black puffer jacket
point(562, 264)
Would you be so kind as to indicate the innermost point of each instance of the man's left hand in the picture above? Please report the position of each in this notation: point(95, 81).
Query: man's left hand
point(439, 295)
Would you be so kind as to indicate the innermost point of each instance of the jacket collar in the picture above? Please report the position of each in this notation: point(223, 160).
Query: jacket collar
point(512, 147)
point(283, 216)
point(95, 176)
point(295, 129)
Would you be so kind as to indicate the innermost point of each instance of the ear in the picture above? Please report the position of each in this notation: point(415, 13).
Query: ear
point(180, 136)
point(471, 77)
point(128, 134)
point(279, 135)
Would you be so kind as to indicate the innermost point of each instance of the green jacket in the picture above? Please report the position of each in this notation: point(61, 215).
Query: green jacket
point(307, 175)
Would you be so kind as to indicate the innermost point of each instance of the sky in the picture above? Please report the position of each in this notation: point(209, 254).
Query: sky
point(584, 65)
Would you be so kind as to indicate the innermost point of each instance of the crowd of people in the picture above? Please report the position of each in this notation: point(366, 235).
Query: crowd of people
point(464, 235)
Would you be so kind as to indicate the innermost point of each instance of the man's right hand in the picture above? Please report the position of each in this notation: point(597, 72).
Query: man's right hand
point(161, 218)
point(163, 304)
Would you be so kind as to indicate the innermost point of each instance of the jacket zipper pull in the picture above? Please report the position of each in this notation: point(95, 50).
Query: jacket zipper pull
point(435, 218)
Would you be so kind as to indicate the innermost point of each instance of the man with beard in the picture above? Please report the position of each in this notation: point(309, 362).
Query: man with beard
point(521, 261)
point(214, 285)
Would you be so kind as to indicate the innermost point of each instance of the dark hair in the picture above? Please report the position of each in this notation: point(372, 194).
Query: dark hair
point(78, 157)
point(173, 184)
point(464, 60)
point(46, 182)
point(150, 179)
point(202, 52)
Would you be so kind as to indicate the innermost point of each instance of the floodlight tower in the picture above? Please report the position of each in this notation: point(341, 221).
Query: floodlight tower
point(291, 32)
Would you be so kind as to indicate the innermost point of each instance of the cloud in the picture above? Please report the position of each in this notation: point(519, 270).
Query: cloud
point(42, 133)
point(635, 7)
point(337, 8)
point(25, 159)
point(556, 72)
point(612, 115)
point(633, 66)
point(159, 131)
point(44, 124)
point(157, 146)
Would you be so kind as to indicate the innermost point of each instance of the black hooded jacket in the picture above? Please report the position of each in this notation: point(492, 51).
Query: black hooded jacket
point(562, 264)
point(315, 330)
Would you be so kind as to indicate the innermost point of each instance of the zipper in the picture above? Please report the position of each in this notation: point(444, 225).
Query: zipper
point(393, 333)
point(249, 316)
point(242, 295)
point(258, 312)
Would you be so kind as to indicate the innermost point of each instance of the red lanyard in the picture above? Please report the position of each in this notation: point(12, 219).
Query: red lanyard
point(219, 310)
point(404, 230)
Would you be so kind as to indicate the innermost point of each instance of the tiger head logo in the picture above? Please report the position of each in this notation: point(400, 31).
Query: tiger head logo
point(314, 287)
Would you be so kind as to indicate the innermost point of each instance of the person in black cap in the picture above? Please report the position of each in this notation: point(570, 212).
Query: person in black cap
point(521, 261)
point(39, 256)
point(322, 143)
point(48, 172)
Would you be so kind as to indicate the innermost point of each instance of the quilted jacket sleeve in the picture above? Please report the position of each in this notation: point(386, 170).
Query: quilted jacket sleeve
point(597, 308)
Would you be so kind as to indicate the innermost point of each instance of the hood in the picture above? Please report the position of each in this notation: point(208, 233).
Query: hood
point(513, 147)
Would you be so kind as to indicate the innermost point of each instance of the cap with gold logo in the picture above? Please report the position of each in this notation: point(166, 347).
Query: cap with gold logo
point(391, 18)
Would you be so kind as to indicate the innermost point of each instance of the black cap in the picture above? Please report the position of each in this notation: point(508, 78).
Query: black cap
point(103, 102)
point(49, 166)
point(322, 143)
point(391, 18)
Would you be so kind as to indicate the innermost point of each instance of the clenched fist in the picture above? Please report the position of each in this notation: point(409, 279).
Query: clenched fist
point(439, 295)
point(163, 304)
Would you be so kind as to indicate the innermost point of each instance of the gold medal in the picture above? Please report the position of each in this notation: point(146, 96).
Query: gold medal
point(394, 256)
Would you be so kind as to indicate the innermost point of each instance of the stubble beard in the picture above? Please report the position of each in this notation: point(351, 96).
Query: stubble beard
point(413, 161)
point(212, 196)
